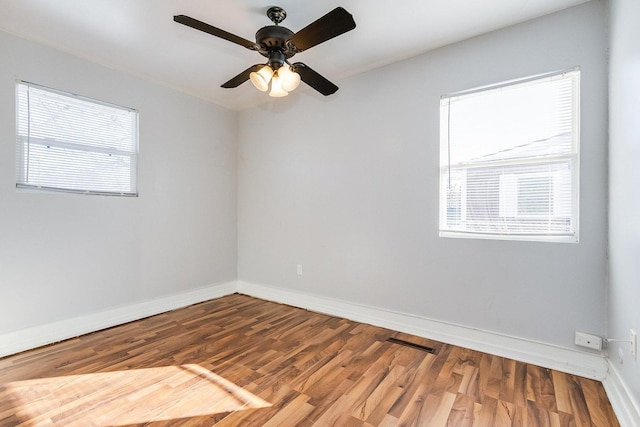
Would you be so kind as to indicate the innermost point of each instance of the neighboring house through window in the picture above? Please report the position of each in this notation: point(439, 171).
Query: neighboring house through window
point(509, 160)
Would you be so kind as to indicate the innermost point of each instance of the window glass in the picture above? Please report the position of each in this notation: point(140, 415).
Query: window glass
point(70, 143)
point(509, 160)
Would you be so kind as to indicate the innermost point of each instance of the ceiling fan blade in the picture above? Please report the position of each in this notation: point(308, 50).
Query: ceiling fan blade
point(334, 23)
point(313, 79)
point(242, 77)
point(199, 25)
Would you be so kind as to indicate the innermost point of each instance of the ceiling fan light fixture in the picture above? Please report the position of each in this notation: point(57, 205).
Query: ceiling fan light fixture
point(289, 78)
point(277, 91)
point(261, 78)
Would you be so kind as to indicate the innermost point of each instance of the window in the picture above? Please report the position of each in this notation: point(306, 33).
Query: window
point(65, 142)
point(509, 160)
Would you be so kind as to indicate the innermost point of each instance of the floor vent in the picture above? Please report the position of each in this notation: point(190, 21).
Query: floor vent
point(412, 345)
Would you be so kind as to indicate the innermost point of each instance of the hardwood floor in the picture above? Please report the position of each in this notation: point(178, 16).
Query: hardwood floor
point(239, 361)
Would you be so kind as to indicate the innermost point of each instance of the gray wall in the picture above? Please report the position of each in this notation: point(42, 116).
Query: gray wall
point(624, 183)
point(349, 189)
point(62, 255)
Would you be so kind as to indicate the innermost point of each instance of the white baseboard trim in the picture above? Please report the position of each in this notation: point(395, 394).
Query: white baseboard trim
point(37, 336)
point(627, 408)
point(549, 356)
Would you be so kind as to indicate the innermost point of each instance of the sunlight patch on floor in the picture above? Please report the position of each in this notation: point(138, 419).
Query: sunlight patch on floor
point(126, 397)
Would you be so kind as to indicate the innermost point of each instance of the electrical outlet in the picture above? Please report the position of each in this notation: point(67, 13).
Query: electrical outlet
point(588, 340)
point(634, 343)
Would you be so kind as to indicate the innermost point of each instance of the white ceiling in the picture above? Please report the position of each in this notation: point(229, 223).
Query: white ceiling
point(140, 37)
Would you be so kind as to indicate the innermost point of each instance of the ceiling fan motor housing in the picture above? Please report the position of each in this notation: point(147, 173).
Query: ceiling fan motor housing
point(272, 42)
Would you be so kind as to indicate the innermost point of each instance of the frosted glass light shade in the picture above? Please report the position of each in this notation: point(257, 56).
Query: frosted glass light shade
point(277, 90)
point(261, 78)
point(290, 79)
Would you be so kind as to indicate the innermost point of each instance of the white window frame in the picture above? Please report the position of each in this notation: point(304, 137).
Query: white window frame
point(458, 229)
point(25, 141)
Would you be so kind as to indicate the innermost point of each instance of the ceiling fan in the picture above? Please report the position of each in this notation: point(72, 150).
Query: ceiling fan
point(278, 44)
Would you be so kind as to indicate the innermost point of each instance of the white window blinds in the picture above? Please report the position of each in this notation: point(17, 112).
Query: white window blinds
point(509, 160)
point(65, 142)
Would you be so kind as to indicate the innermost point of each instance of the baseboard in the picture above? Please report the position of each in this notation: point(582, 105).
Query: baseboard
point(563, 359)
point(25, 339)
point(627, 408)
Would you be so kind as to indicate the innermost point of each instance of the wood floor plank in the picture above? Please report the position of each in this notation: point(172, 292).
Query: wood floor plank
point(462, 411)
point(508, 382)
point(238, 360)
point(579, 408)
point(292, 414)
point(486, 413)
point(381, 411)
point(330, 394)
point(438, 409)
point(597, 403)
point(419, 378)
point(494, 381)
point(506, 414)
point(413, 410)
